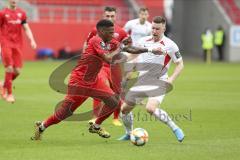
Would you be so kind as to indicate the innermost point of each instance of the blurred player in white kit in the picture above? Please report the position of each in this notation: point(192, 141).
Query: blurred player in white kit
point(137, 28)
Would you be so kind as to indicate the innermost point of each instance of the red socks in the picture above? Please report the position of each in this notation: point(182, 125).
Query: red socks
point(8, 82)
point(118, 110)
point(116, 113)
point(100, 119)
point(105, 112)
point(51, 120)
point(9, 77)
point(97, 106)
point(64, 110)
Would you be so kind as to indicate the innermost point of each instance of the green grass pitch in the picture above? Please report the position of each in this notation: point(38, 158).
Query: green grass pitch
point(205, 102)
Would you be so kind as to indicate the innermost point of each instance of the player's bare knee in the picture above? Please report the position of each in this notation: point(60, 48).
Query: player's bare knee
point(9, 69)
point(150, 110)
point(17, 71)
point(126, 108)
point(151, 106)
point(107, 83)
point(130, 101)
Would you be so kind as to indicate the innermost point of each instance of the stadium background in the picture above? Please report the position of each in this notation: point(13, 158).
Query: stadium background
point(57, 23)
point(205, 98)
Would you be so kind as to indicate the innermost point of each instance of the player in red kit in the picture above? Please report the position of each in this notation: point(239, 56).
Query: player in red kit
point(12, 20)
point(85, 81)
point(107, 70)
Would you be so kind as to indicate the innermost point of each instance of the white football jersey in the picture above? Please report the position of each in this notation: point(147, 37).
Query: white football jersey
point(157, 65)
point(138, 30)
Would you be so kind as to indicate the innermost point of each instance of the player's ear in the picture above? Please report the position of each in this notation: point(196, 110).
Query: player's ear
point(164, 29)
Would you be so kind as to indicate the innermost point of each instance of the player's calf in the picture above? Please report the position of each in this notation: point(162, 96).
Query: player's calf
point(112, 102)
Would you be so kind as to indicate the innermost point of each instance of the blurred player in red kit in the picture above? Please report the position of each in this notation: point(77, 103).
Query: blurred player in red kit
point(107, 70)
point(12, 20)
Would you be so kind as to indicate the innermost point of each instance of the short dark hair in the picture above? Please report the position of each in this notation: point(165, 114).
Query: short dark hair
point(104, 23)
point(143, 9)
point(110, 9)
point(159, 19)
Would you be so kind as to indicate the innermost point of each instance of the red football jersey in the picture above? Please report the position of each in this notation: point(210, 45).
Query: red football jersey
point(11, 27)
point(91, 62)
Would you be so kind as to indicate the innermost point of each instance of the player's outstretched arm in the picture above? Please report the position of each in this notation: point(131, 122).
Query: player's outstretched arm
point(30, 35)
point(139, 50)
point(123, 57)
point(109, 56)
point(134, 50)
point(178, 69)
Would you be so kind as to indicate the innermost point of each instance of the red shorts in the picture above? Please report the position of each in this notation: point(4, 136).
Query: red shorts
point(99, 89)
point(105, 74)
point(79, 91)
point(11, 57)
point(113, 76)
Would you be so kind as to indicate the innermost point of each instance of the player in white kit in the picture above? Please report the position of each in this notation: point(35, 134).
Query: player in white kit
point(139, 27)
point(153, 81)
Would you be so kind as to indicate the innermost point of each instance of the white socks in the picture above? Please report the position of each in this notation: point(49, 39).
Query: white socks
point(128, 122)
point(96, 125)
point(42, 127)
point(158, 113)
point(163, 117)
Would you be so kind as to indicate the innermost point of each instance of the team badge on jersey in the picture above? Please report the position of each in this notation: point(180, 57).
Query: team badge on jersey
point(19, 15)
point(115, 35)
point(104, 46)
point(7, 15)
point(178, 54)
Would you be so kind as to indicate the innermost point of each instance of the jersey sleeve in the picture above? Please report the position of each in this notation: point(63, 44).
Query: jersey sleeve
point(124, 37)
point(124, 34)
point(91, 34)
point(175, 53)
point(24, 17)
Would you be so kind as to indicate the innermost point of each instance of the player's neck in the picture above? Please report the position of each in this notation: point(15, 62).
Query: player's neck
point(142, 21)
point(104, 40)
point(157, 38)
point(12, 7)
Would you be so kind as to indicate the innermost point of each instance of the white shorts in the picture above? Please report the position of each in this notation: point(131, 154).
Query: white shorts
point(139, 92)
point(157, 98)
